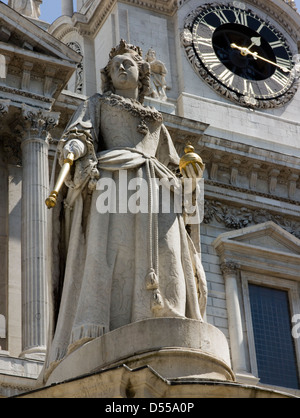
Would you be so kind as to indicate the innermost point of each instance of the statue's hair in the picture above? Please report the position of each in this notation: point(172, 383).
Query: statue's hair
point(143, 67)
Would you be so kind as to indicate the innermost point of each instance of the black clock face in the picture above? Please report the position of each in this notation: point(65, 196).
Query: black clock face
point(242, 52)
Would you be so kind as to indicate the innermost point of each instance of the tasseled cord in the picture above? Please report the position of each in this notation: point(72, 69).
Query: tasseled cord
point(152, 280)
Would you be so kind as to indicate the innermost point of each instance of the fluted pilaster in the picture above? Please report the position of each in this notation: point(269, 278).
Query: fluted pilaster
point(35, 187)
point(230, 272)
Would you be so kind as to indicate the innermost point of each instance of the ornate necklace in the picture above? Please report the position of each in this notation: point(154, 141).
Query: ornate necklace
point(134, 107)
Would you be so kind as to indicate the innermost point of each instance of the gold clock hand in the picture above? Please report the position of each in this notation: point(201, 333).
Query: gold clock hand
point(245, 51)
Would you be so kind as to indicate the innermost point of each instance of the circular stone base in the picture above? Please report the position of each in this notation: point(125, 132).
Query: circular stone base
point(175, 348)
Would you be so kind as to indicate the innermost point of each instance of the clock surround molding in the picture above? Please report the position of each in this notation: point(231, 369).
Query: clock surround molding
point(186, 37)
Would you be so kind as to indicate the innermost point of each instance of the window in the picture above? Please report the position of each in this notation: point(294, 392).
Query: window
point(274, 345)
point(260, 265)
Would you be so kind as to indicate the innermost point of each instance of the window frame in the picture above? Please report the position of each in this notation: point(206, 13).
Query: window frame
point(292, 289)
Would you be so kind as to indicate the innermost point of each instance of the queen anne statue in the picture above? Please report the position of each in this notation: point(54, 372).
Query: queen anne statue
point(122, 266)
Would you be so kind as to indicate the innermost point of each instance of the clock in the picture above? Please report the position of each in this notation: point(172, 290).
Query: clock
point(240, 55)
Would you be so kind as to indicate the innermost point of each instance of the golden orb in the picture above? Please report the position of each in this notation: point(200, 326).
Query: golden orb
point(190, 157)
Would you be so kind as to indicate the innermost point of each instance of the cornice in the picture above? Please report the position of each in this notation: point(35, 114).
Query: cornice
point(91, 18)
point(18, 30)
point(167, 7)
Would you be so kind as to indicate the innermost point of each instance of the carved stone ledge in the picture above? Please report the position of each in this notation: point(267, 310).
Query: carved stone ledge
point(245, 173)
point(91, 18)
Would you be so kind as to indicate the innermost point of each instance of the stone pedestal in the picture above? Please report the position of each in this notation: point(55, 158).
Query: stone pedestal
point(156, 359)
point(174, 348)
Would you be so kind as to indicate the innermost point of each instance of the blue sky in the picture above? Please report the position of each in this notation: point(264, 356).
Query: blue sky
point(51, 9)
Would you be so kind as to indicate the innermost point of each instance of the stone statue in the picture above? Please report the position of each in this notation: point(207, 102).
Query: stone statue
point(30, 8)
point(158, 73)
point(122, 265)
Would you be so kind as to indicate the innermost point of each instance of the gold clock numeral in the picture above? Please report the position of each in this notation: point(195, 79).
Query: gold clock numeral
point(241, 17)
point(211, 27)
point(268, 88)
point(283, 62)
point(227, 77)
point(279, 78)
point(221, 15)
point(260, 28)
point(248, 88)
point(275, 44)
point(203, 41)
point(211, 59)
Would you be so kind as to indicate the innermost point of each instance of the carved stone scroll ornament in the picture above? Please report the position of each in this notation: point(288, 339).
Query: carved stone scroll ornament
point(234, 217)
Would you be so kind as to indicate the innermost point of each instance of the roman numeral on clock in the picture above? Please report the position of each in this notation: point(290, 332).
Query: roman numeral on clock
point(283, 62)
point(279, 78)
point(227, 77)
point(203, 41)
point(248, 88)
point(211, 59)
point(221, 15)
point(276, 44)
point(211, 27)
point(260, 28)
point(241, 17)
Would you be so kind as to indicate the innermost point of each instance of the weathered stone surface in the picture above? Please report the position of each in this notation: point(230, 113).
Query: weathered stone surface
point(175, 348)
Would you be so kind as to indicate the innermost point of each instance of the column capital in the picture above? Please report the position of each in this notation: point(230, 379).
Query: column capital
point(38, 122)
point(4, 107)
point(229, 268)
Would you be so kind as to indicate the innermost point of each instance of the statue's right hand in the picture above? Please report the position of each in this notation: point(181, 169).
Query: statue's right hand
point(77, 147)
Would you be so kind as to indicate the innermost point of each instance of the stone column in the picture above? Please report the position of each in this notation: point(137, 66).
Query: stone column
point(230, 270)
point(35, 187)
point(67, 7)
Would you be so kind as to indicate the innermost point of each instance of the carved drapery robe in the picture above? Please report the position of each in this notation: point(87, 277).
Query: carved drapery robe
point(122, 267)
point(30, 8)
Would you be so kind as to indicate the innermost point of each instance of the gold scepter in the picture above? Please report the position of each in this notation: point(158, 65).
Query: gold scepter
point(190, 157)
point(52, 199)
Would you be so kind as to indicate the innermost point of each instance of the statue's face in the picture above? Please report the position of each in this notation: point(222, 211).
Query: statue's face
point(124, 72)
point(151, 55)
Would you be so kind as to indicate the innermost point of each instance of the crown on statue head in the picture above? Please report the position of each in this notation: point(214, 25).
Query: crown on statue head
point(124, 48)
